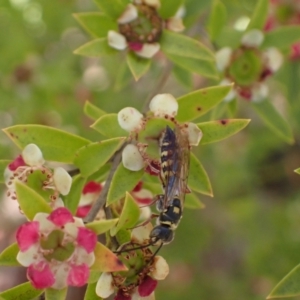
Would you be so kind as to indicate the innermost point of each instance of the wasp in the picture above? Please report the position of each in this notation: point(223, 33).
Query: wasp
point(175, 160)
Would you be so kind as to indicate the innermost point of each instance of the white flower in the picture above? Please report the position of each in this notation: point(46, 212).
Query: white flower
point(252, 38)
point(175, 24)
point(164, 104)
point(259, 92)
point(131, 158)
point(148, 50)
point(130, 119)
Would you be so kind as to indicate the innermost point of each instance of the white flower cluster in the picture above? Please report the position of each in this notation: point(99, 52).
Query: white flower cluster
point(131, 120)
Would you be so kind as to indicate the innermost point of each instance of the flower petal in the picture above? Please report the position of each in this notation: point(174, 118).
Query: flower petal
point(148, 50)
point(58, 203)
point(160, 268)
point(46, 226)
point(143, 197)
point(30, 256)
point(153, 3)
point(87, 239)
point(61, 273)
point(62, 180)
point(27, 235)
point(82, 211)
point(104, 287)
point(232, 93)
point(81, 256)
point(141, 233)
point(32, 155)
point(18, 162)
point(194, 134)
point(40, 275)
point(92, 187)
point(130, 14)
point(78, 275)
point(131, 158)
point(61, 216)
point(116, 40)
point(252, 38)
point(223, 57)
point(130, 119)
point(274, 58)
point(259, 92)
point(164, 104)
point(175, 24)
point(147, 287)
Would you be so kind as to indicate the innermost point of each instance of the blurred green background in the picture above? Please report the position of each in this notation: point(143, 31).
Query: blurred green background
point(248, 236)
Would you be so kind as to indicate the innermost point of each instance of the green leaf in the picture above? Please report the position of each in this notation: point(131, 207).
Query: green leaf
point(52, 294)
point(183, 76)
point(259, 16)
point(96, 48)
point(92, 111)
point(3, 164)
point(169, 8)
point(102, 226)
point(215, 131)
point(198, 103)
point(172, 43)
point(198, 179)
point(56, 145)
point(297, 171)
point(96, 23)
point(30, 201)
point(123, 77)
point(106, 260)
point(217, 19)
point(101, 174)
point(24, 291)
point(90, 293)
point(193, 202)
point(92, 157)
point(123, 236)
point(72, 199)
point(8, 256)
point(129, 216)
point(282, 37)
point(108, 126)
point(206, 68)
point(123, 181)
point(112, 9)
point(137, 65)
point(289, 286)
point(274, 120)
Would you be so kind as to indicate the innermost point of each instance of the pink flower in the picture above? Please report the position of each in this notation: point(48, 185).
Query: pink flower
point(57, 249)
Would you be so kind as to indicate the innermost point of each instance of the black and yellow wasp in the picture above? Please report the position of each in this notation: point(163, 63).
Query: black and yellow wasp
point(175, 159)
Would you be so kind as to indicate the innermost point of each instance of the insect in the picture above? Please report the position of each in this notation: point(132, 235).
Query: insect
point(175, 159)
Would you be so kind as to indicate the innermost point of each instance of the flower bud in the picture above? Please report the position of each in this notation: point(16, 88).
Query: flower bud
point(131, 158)
point(62, 180)
point(32, 155)
point(164, 104)
point(130, 119)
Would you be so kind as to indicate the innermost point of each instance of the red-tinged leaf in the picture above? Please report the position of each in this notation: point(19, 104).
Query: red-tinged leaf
point(106, 260)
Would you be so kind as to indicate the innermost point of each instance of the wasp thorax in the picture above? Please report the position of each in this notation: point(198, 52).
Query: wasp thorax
point(146, 28)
